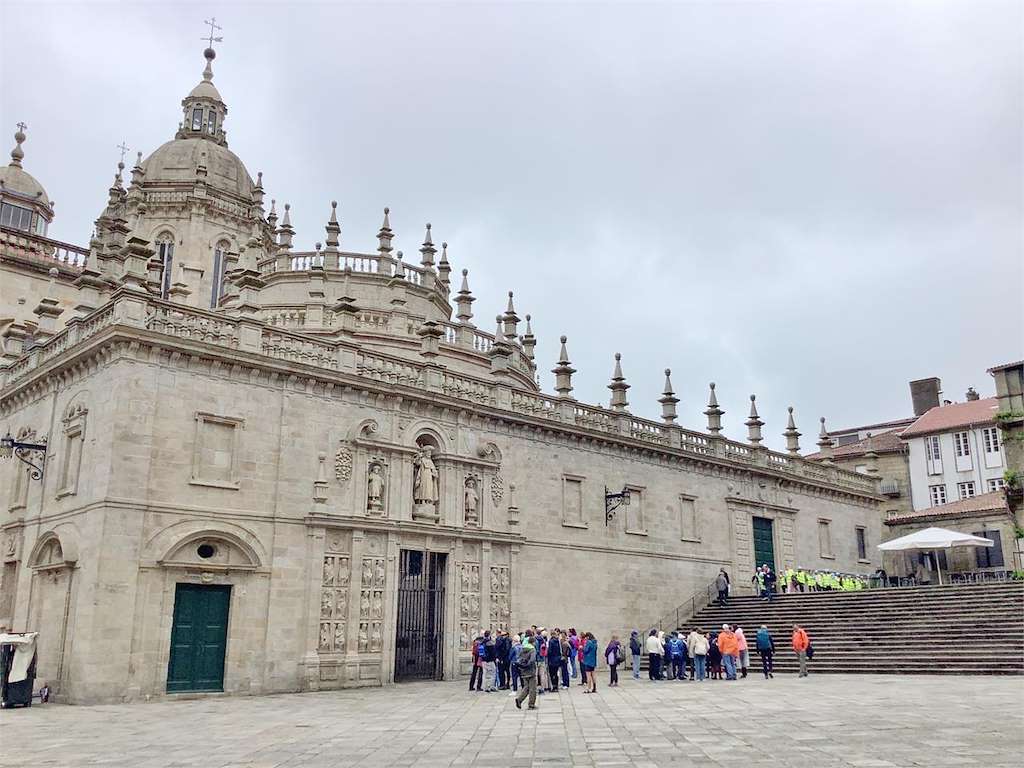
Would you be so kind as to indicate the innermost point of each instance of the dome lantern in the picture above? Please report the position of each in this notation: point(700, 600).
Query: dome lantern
point(24, 204)
point(204, 109)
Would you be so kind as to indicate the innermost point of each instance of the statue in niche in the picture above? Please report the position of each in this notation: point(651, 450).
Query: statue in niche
point(341, 605)
point(471, 500)
point(465, 578)
point(375, 488)
point(326, 604)
point(378, 573)
point(375, 638)
point(364, 604)
point(367, 572)
point(339, 637)
point(343, 572)
point(504, 579)
point(464, 606)
point(495, 580)
point(378, 605)
point(328, 570)
point(362, 637)
point(325, 637)
point(424, 483)
point(475, 577)
point(464, 638)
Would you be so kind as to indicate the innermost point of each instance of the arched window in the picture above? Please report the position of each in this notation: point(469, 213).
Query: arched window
point(165, 250)
point(220, 253)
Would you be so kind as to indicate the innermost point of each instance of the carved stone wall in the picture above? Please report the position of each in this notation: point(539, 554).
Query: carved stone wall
point(371, 604)
point(469, 597)
point(334, 592)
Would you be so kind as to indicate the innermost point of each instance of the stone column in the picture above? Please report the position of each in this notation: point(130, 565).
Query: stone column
point(309, 679)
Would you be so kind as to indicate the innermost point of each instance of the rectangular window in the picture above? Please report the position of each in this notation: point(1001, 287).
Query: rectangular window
point(937, 494)
point(825, 538)
point(197, 119)
point(990, 557)
point(211, 125)
point(991, 435)
point(961, 443)
point(72, 461)
point(166, 253)
point(965, 490)
point(688, 528)
point(16, 217)
point(634, 511)
point(996, 484)
point(215, 451)
point(862, 543)
point(218, 277)
point(933, 454)
point(572, 501)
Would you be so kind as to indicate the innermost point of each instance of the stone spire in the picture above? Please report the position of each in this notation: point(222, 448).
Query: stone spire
point(668, 400)
point(791, 435)
point(563, 373)
point(18, 154)
point(399, 267)
point(871, 457)
point(510, 321)
point(714, 413)
point(500, 351)
point(272, 216)
point(444, 269)
point(285, 232)
point(754, 424)
point(384, 235)
point(529, 341)
point(138, 172)
point(333, 229)
point(824, 444)
point(427, 251)
point(464, 300)
point(618, 386)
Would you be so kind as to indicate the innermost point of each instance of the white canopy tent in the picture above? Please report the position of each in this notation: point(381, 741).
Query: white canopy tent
point(931, 539)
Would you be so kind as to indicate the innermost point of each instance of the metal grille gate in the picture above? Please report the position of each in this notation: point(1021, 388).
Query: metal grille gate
point(420, 634)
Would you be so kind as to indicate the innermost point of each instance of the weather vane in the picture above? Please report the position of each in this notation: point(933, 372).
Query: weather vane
point(123, 146)
point(212, 22)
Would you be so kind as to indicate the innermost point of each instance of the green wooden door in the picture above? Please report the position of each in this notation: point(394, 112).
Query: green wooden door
point(764, 542)
point(198, 638)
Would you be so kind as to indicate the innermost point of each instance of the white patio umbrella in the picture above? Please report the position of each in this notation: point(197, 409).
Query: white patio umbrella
point(932, 539)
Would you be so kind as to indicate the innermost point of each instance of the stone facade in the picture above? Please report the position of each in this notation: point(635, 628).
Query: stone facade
point(326, 416)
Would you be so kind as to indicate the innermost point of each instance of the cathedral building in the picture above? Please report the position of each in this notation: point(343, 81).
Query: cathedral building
point(232, 465)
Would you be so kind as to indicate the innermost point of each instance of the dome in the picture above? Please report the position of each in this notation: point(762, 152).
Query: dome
point(205, 90)
point(16, 180)
point(177, 160)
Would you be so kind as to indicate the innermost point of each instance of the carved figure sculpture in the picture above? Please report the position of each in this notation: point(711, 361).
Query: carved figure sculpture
point(375, 638)
point(325, 637)
point(328, 577)
point(378, 573)
point(339, 637)
point(364, 604)
point(326, 604)
point(471, 500)
point(375, 488)
point(425, 486)
point(367, 572)
point(362, 637)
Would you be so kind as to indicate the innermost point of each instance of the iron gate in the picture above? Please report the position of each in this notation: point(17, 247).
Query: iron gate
point(420, 634)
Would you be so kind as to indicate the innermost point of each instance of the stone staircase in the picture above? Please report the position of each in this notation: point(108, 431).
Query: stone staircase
point(975, 629)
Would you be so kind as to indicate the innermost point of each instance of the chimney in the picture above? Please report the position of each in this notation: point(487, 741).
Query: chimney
point(972, 394)
point(924, 393)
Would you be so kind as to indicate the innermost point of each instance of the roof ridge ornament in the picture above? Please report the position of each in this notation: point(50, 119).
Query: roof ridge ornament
point(209, 54)
point(17, 154)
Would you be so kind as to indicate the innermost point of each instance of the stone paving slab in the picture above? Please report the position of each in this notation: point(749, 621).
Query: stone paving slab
point(828, 721)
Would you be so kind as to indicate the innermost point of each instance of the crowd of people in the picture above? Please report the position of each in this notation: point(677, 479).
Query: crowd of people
point(766, 582)
point(539, 660)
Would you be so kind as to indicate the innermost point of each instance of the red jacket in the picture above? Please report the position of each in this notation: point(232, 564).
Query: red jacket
point(728, 644)
point(800, 640)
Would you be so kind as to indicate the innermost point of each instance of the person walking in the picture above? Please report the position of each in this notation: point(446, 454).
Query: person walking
point(729, 647)
point(554, 659)
point(635, 651)
point(801, 642)
point(722, 585)
point(527, 662)
point(513, 659)
point(744, 652)
point(770, 582)
point(614, 656)
point(766, 650)
point(758, 581)
point(590, 661)
point(654, 653)
point(477, 674)
point(697, 646)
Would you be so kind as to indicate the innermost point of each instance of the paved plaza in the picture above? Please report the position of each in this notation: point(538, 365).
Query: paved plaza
point(819, 722)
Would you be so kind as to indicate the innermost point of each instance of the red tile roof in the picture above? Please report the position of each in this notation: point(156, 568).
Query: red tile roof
point(893, 424)
point(943, 418)
point(994, 501)
point(887, 442)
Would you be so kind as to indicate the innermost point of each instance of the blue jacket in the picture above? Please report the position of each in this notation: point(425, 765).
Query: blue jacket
point(765, 642)
point(554, 652)
point(513, 653)
point(487, 649)
point(675, 648)
point(590, 652)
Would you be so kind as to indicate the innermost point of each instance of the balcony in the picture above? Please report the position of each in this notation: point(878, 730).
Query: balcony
point(890, 488)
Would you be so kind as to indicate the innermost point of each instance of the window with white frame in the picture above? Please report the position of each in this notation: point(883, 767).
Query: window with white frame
point(991, 437)
point(961, 443)
point(937, 494)
point(996, 484)
point(933, 454)
point(965, 490)
point(16, 217)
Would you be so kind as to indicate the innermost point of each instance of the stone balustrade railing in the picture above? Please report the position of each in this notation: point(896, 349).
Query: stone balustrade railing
point(197, 325)
point(45, 248)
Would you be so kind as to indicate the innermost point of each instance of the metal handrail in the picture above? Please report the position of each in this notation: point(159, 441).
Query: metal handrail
point(688, 608)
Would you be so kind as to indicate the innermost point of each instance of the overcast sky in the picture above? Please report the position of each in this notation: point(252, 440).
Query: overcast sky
point(814, 202)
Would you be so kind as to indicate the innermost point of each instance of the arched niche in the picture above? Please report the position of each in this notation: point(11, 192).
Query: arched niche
point(57, 548)
point(223, 545)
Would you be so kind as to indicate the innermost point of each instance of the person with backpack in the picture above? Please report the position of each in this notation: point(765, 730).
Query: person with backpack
point(513, 666)
point(766, 650)
point(674, 649)
point(771, 580)
point(477, 674)
point(697, 645)
point(729, 647)
point(802, 645)
point(554, 659)
point(635, 651)
point(527, 663)
point(614, 656)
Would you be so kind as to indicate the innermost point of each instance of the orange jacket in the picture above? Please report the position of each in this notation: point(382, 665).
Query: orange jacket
point(800, 640)
point(728, 644)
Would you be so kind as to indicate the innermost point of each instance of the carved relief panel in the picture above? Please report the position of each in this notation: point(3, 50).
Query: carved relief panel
point(334, 591)
point(469, 597)
point(372, 577)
